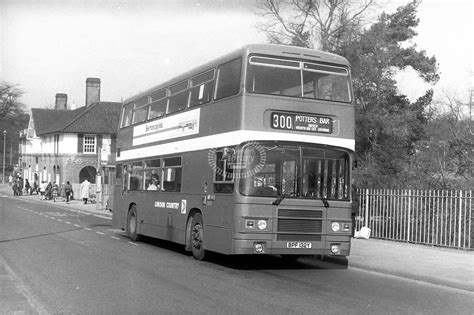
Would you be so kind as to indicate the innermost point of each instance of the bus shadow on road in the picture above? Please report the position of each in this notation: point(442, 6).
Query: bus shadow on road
point(276, 262)
point(257, 262)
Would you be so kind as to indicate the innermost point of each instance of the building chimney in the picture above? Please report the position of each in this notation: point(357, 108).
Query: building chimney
point(61, 101)
point(92, 91)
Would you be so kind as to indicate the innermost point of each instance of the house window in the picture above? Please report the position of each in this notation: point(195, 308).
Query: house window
point(56, 144)
point(89, 144)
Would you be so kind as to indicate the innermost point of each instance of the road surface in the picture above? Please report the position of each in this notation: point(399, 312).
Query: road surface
point(54, 260)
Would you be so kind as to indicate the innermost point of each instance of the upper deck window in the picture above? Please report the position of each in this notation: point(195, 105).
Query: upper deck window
point(228, 79)
point(287, 77)
point(127, 112)
point(326, 82)
point(141, 114)
point(179, 97)
point(201, 88)
point(158, 105)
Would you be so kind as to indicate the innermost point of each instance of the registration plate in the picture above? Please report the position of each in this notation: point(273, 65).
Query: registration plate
point(298, 245)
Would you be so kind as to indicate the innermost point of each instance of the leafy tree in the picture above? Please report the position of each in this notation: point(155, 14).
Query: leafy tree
point(388, 125)
point(447, 156)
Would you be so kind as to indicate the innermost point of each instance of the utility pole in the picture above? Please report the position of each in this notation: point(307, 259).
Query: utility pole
point(470, 112)
point(4, 149)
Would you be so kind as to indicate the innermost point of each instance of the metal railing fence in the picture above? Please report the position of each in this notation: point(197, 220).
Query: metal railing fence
point(433, 217)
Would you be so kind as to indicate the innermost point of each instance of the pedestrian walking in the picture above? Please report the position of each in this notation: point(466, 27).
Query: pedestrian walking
point(55, 191)
point(27, 187)
point(42, 189)
point(48, 191)
point(62, 191)
point(15, 188)
point(68, 190)
point(20, 186)
point(85, 187)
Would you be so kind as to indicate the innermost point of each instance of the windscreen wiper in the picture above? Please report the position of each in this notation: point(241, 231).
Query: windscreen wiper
point(278, 200)
point(325, 202)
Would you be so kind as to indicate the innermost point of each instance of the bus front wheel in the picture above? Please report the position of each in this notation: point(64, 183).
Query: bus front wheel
point(197, 237)
point(132, 224)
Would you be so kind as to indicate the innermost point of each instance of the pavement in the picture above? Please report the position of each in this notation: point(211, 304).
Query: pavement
point(436, 265)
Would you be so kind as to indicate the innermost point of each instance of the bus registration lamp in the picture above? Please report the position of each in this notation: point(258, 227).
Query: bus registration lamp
point(4, 143)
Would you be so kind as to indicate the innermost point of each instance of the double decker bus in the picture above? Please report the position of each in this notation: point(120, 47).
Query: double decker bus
point(248, 154)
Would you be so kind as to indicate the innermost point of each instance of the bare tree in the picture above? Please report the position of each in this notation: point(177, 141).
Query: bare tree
point(10, 107)
point(321, 24)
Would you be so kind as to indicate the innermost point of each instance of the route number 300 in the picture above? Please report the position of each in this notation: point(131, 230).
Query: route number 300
point(282, 122)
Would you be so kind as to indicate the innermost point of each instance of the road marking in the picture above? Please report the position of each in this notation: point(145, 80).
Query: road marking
point(67, 222)
point(19, 288)
point(115, 237)
point(102, 216)
point(60, 220)
point(87, 229)
point(133, 243)
point(77, 225)
point(101, 233)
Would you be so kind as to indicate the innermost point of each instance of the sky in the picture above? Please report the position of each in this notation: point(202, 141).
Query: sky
point(52, 46)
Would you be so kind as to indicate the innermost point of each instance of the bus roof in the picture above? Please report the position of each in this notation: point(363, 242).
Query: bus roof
point(266, 49)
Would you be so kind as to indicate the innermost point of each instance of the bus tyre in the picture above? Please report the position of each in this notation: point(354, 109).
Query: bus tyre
point(197, 237)
point(132, 224)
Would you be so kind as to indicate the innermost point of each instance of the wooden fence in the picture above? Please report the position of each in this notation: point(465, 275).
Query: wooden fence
point(441, 218)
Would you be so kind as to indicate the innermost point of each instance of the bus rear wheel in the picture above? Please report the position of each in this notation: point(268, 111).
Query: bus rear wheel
point(197, 237)
point(132, 224)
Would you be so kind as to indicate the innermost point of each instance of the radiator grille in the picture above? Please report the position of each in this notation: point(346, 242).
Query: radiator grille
point(299, 225)
point(299, 237)
point(292, 213)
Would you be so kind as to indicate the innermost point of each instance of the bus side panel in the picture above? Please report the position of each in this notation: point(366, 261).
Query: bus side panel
point(218, 221)
point(166, 215)
point(119, 210)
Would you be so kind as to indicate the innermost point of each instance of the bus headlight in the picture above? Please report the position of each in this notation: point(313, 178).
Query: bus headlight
point(259, 248)
point(262, 224)
point(335, 226)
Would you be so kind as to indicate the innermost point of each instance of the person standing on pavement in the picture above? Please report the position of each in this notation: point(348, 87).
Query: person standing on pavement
point(42, 188)
point(68, 191)
point(85, 187)
point(55, 191)
point(355, 206)
point(27, 187)
point(62, 191)
point(15, 188)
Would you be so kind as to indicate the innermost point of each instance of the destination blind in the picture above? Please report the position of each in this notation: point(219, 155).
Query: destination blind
point(301, 122)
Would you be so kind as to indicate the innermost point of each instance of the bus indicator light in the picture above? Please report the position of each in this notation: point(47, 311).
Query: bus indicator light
point(250, 224)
